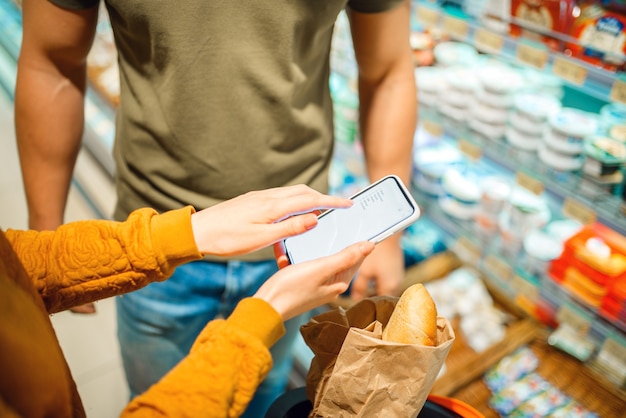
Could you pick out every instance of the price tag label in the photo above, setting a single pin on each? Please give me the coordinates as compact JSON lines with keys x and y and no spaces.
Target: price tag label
{"x":576,"y":210}
{"x":427,"y":16}
{"x":529,"y":183}
{"x":618,"y":91}
{"x":487,"y":41}
{"x":457,"y":28}
{"x":613,"y":355}
{"x":498,"y":268}
{"x":433,"y":128}
{"x":531,"y":55}
{"x":574,"y":318}
{"x":467,"y":250}
{"x":569,"y":70}
{"x":471,"y":150}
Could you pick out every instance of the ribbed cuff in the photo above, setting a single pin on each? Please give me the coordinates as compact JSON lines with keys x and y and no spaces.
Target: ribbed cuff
{"x":258,"y":318}
{"x":173,"y":238}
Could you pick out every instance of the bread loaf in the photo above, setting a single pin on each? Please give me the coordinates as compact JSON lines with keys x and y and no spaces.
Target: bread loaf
{"x":414,"y":319}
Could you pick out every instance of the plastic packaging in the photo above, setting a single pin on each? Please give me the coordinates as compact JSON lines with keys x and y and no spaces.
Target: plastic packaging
{"x":605,"y":156}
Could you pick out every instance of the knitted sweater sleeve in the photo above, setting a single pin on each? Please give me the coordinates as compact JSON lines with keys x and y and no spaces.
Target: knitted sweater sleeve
{"x":90,"y":260}
{"x":221,"y":373}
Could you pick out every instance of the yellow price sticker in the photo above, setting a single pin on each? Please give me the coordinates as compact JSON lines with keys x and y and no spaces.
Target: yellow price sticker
{"x":569,"y":70}
{"x":578,"y":211}
{"x":427,"y":16}
{"x":529,"y":183}
{"x":471,"y":150}
{"x":487,"y":41}
{"x":531,"y":55}
{"x":618,"y":91}
{"x":613,"y":353}
{"x":455,"y":27}
{"x":433,"y":128}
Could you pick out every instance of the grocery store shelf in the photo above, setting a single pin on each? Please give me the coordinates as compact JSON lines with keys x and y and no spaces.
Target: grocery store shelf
{"x":596,"y":82}
{"x":561,"y":186}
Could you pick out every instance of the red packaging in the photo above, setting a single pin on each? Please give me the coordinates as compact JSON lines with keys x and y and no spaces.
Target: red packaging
{"x":601,"y":36}
{"x":537,"y":19}
{"x":586,"y":275}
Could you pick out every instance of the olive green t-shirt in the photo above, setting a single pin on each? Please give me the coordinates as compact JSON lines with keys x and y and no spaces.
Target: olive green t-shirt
{"x":220,"y":98}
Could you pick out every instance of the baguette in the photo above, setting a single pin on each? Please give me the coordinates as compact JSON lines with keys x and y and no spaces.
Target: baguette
{"x":414,"y":319}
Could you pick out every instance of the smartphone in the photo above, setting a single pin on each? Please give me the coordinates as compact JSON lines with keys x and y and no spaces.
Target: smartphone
{"x":380,"y":210}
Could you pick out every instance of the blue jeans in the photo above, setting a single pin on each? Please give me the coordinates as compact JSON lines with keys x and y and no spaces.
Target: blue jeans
{"x":158,"y":324}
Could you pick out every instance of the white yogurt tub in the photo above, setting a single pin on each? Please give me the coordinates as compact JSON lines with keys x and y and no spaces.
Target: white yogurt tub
{"x":430,"y":83}
{"x":526,"y":211}
{"x":462,"y":85}
{"x":431,"y":163}
{"x":569,"y":127}
{"x":563,"y":229}
{"x":500,"y":79}
{"x":486,"y":112}
{"x":563,"y":144}
{"x":521,"y":139}
{"x":462,"y":194}
{"x":532,"y":111}
{"x":489,"y":130}
{"x":495,"y":192}
{"x":458,"y":113}
{"x":559,"y":161}
{"x":542,"y":81}
{"x":540,"y":249}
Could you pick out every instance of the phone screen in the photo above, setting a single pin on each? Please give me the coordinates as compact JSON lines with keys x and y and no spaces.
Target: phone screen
{"x":378,"y":211}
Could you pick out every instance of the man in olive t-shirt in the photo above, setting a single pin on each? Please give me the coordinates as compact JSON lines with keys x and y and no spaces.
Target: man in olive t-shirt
{"x":216,"y":99}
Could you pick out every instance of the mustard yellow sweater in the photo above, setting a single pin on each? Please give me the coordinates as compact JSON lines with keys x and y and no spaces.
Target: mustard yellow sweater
{"x":47,"y":272}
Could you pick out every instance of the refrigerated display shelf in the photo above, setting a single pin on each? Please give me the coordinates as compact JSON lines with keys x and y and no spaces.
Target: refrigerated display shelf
{"x":593,"y":81}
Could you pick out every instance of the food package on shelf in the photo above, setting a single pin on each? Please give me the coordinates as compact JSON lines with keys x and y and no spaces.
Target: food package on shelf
{"x":593,"y":262}
{"x":539,"y":19}
{"x":600,"y":35}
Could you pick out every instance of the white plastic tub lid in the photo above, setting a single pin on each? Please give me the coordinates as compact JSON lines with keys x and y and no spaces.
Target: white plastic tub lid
{"x":462,"y":78}
{"x":575,"y":122}
{"x":500,"y":78}
{"x":542,"y":246}
{"x":537,"y":105}
{"x":430,"y":79}
{"x":463,"y":187}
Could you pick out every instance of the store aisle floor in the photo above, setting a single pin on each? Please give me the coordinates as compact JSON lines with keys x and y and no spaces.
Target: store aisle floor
{"x":88,"y":341}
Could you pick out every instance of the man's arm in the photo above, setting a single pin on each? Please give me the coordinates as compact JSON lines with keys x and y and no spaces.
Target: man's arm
{"x":388,"y":117}
{"x":49,"y":103}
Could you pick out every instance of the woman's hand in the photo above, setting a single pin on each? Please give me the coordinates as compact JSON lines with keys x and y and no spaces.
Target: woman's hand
{"x":298,"y":288}
{"x":258,"y":219}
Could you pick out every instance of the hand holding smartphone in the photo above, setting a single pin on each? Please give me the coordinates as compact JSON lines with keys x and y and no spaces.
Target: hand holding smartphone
{"x":380,"y":210}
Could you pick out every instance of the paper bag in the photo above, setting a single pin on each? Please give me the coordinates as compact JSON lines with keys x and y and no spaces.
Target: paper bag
{"x":354,"y":373}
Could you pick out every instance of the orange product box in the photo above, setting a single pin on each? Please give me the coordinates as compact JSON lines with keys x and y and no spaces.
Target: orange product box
{"x":598,"y":252}
{"x":583,"y":288}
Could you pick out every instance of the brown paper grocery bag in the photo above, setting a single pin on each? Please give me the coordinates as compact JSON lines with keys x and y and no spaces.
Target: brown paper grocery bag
{"x":354,"y":373}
